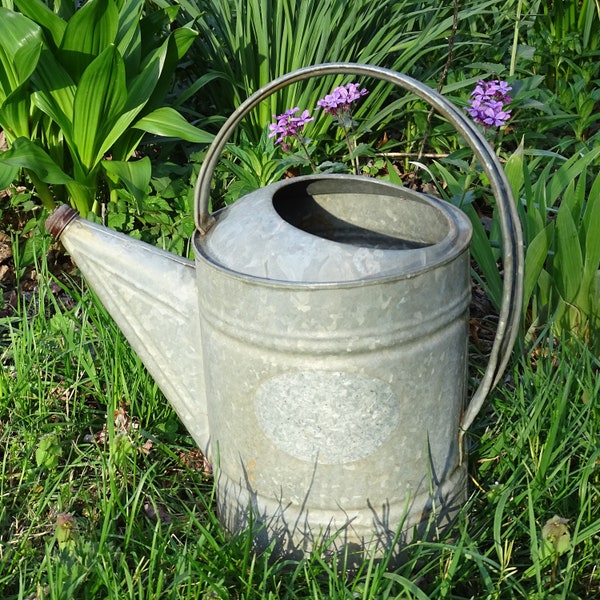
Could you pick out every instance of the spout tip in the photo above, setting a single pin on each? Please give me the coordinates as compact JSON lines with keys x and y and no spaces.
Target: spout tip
{"x":59,"y":219}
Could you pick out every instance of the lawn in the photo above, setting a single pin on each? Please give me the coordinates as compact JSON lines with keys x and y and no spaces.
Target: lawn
{"x":105,"y":496}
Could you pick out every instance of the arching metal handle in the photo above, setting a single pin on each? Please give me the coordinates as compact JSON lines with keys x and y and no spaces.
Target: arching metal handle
{"x":512,"y":239}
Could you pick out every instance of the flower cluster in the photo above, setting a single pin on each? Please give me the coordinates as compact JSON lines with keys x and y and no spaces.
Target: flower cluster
{"x":338,"y":104}
{"x":341,"y":99}
{"x":288,"y":125}
{"x":488,"y":101}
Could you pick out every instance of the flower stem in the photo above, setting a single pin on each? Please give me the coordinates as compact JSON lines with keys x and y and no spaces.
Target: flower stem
{"x":305,"y":149}
{"x":351,"y":148}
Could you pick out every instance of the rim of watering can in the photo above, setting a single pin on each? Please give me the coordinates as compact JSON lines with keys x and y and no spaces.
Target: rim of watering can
{"x":512,"y":237}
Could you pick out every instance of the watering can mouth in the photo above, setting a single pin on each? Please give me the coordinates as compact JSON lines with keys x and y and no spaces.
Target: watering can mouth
{"x":324,"y":229}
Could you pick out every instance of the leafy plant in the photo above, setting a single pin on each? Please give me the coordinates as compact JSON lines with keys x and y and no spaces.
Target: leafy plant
{"x":244,"y":44}
{"x":162,"y":216}
{"x":48,"y":451}
{"x":79,"y":93}
{"x":246,"y":167}
{"x":560,"y":46}
{"x":570,"y":38}
{"x":560,"y":212}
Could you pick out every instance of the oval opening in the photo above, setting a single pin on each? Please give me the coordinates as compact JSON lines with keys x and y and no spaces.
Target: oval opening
{"x":361,"y":213}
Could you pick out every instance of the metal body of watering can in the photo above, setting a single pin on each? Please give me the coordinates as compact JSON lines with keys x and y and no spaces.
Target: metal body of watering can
{"x":317,"y":349}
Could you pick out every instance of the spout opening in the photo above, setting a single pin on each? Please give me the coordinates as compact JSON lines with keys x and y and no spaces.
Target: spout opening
{"x":59,"y":219}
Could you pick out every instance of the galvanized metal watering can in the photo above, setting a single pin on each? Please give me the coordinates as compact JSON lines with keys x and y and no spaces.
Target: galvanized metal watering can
{"x":317,"y":349}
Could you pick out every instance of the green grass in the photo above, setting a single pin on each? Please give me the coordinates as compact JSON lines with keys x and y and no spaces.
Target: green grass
{"x":84,"y":431}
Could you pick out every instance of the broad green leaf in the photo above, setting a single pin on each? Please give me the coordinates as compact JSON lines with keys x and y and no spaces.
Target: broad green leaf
{"x":39,"y":12}
{"x":168,"y":122}
{"x":7,"y":74}
{"x":8,"y":174}
{"x":27,"y":155}
{"x":126,"y":144}
{"x":135,"y":175}
{"x":55,"y":92}
{"x":143,"y":94}
{"x":120,"y":138}
{"x":578,"y":200}
{"x":545,"y":288}
{"x":590,"y":221}
{"x":82,"y":196}
{"x":17,"y":116}
{"x":20,"y":47}
{"x":142,"y":87}
{"x":568,"y":261}
{"x":154,"y":24}
{"x":535,"y":216}
{"x":90,"y":31}
{"x":594,"y":193}
{"x":595,"y":296}
{"x":138,"y":95}
{"x":99,"y":100}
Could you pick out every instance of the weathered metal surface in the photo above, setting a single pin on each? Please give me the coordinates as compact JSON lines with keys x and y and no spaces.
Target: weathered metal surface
{"x":151,"y":294}
{"x":337,"y":405}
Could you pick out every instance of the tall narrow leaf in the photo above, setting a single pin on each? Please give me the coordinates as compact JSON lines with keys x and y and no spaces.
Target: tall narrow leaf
{"x":99,"y":100}
{"x":535,"y":258}
{"x":88,"y":33}
{"x":568,"y":172}
{"x":568,"y":262}
{"x":40,"y":13}
{"x":484,"y":256}
{"x":591,"y":245}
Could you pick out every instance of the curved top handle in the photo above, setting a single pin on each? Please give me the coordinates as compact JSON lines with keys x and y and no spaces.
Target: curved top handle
{"x":512,"y":239}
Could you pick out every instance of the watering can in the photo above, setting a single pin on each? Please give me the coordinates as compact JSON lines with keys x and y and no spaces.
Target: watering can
{"x":316,"y":348}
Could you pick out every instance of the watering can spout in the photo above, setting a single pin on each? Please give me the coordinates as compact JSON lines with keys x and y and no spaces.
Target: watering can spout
{"x":151,"y":294}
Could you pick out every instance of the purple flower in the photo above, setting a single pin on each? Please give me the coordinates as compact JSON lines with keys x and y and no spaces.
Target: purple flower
{"x":487,"y":103}
{"x":288,"y":125}
{"x":341,"y":99}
